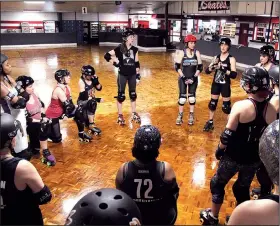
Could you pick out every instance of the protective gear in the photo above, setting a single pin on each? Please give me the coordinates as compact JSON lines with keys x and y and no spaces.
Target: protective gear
{"x":190,"y":38}
{"x":219,"y":153}
{"x":121,"y":97}
{"x":24,"y":81}
{"x":88,"y":70}
{"x":227,"y":136}
{"x":226,"y":108}
{"x":268,"y":50}
{"x":99,"y":89}
{"x":147,"y":137}
{"x":3,"y":58}
{"x":182,"y":99}
{"x":20,"y":104}
{"x":274,"y":75}
{"x":9,"y":129}
{"x":25,"y":95}
{"x":177,"y":66}
{"x":200,"y":67}
{"x":43,"y":196}
{"x":105,"y":206}
{"x":225,"y":41}
{"x":269,"y":151}
{"x":137,"y":64}
{"x":92,"y":105}
{"x":69,"y":107}
{"x":133,"y":95}
{"x":95,"y":81}
{"x":127,"y":33}
{"x":107,"y":57}
{"x":18,"y":87}
{"x":45,"y":124}
{"x":233,"y":74}
{"x":138,"y":77}
{"x":213,"y":104}
{"x":217,"y":188}
{"x":60,"y":74}
{"x":9,"y":96}
{"x":192,"y":99}
{"x":255,"y":79}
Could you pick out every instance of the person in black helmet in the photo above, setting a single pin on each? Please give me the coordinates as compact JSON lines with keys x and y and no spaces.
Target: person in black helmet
{"x":264,"y":211}
{"x":274,"y":77}
{"x":13,"y":101}
{"x":224,"y":65}
{"x":22,"y":188}
{"x":105,"y":206}
{"x":239,"y":142}
{"x":150,"y":183}
{"x":125,"y":57}
{"x":267,"y":55}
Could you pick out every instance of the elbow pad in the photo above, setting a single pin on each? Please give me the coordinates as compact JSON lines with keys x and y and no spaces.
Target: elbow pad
{"x":25,"y":95}
{"x":18,"y":86}
{"x":233,"y":74}
{"x":43,"y":196}
{"x":177,"y":66}
{"x":20,"y":104}
{"x":9,"y":96}
{"x":200,"y":67}
{"x":207,"y":71}
{"x":227,"y":136}
{"x":107,"y":57}
{"x":83,"y":95}
{"x":99,"y":89}
{"x":137,"y":64}
{"x":69,"y":108}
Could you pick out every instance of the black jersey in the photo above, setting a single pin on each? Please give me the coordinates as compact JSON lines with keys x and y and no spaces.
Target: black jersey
{"x":244,"y":146}
{"x":189,"y":65}
{"x":127,"y":60}
{"x":17,"y":207}
{"x":155,"y":198}
{"x":220,"y":77}
{"x":88,"y":88}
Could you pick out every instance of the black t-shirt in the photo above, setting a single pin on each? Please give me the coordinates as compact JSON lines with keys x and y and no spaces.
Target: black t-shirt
{"x":17,"y":207}
{"x":220,"y":77}
{"x":244,"y":146}
{"x":127,"y":60}
{"x":155,"y":197}
{"x":189,"y":65}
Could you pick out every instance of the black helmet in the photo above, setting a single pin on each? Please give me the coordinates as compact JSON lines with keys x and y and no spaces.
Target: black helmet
{"x":127,"y":33}
{"x":225,"y":41}
{"x":9,"y":129}
{"x":147,"y":137}
{"x":60,"y":74}
{"x":24,"y":81}
{"x":91,"y":105}
{"x":269,"y":151}
{"x":3,"y":58}
{"x":255,"y":79}
{"x":88,"y":70}
{"x":105,"y":206}
{"x":274,"y":75}
{"x":268,"y":50}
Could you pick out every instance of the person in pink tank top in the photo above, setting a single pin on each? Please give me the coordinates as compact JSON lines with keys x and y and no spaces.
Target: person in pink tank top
{"x":35,"y":116}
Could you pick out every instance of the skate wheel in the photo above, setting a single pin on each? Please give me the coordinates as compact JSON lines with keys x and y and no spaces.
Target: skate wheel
{"x":80,"y":139}
{"x":87,"y":140}
{"x":255,"y":197}
{"x":49,"y":164}
{"x":96,"y":134}
{"x":42,"y":160}
{"x":89,"y":132}
{"x":201,"y":220}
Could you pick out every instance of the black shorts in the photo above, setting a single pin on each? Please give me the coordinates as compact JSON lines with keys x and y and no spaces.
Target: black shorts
{"x":191,"y":87}
{"x":223,"y":89}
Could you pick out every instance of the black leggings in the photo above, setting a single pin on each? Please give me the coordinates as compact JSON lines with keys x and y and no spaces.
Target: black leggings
{"x":33,"y":130}
{"x":122,"y":80}
{"x":191,"y":87}
{"x":53,"y":132}
{"x":264,"y":180}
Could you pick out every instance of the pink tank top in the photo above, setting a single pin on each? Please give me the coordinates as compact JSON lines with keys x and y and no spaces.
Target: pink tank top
{"x":34,"y":109}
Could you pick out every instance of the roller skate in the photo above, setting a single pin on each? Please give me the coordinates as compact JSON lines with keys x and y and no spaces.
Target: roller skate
{"x":121,"y":120}
{"x":48,"y":158}
{"x":257,"y":194}
{"x":206,"y":218}
{"x":208,"y":126}
{"x":84,"y":137}
{"x":135,"y":117}
{"x":179,"y":120}
{"x":191,"y":119}
{"x":93,"y":129}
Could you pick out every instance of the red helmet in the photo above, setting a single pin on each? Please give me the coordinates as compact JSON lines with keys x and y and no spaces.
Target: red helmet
{"x":190,"y":38}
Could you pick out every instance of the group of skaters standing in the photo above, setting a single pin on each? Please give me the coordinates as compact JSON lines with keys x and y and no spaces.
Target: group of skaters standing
{"x":150,"y":183}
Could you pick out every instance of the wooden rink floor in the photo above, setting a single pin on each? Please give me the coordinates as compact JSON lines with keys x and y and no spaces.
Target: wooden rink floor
{"x":82,"y":167}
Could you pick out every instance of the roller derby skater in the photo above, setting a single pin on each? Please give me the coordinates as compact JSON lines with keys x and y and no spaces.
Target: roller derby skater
{"x":125,"y":58}
{"x":158,"y":200}
{"x":189,"y":66}
{"x":266,"y":210}
{"x":22,"y":188}
{"x":267,"y":56}
{"x":274,"y":77}
{"x":88,"y":83}
{"x":13,"y":101}
{"x":239,"y":142}
{"x":224,"y":65}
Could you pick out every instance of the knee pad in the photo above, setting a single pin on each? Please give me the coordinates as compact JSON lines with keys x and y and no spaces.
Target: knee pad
{"x":241,"y":193}
{"x":213,"y":104}
{"x":226,"y":107}
{"x":91,"y":106}
{"x":192,"y":99}
{"x":121,"y":97}
{"x":182,"y":99}
{"x":217,"y":190}
{"x":133,"y":95}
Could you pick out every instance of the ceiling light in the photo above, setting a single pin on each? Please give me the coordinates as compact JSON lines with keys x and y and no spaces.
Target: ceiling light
{"x":34,"y":2}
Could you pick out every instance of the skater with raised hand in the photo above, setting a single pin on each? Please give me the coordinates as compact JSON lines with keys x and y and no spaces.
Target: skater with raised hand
{"x":150,"y":183}
{"x":125,"y":58}
{"x":13,"y":101}
{"x":188,"y":64}
{"x":22,"y":188}
{"x":239,"y":142}
{"x":88,"y":83}
{"x":264,"y":211}
{"x":224,"y":66}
